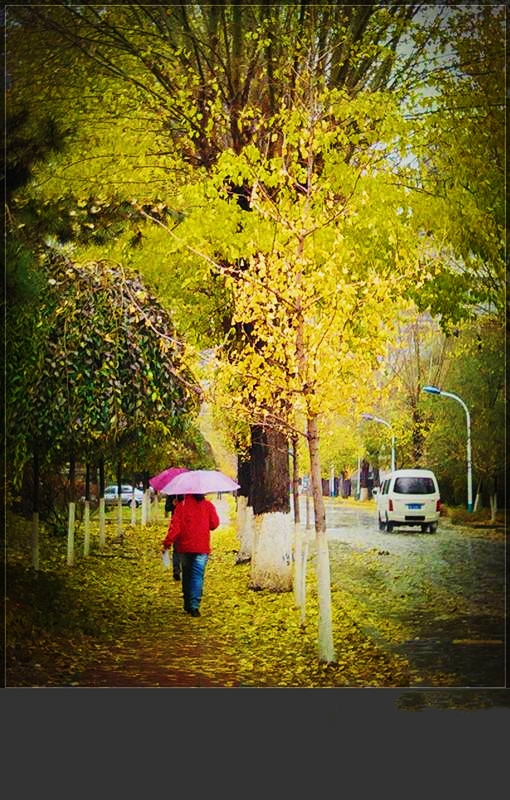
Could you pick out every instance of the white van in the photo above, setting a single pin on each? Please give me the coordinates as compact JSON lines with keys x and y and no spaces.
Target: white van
{"x":409,"y":497}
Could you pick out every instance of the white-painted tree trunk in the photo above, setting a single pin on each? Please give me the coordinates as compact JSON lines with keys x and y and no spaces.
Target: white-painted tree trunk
{"x":119,"y":518}
{"x":146,"y":508}
{"x":298,"y":566}
{"x":325,"y":632}
{"x":244,"y":524}
{"x":308,"y":504}
{"x":478,"y":497}
{"x":304,"y":570}
{"x":102,"y":520}
{"x":300,"y":570}
{"x":363,"y":493}
{"x":271,"y":564}
{"x":86,"y":528}
{"x":326,"y":648}
{"x":155,"y":509}
{"x":70,"y":534}
{"x":305,"y":546}
{"x":35,"y":540}
{"x":493,"y":500}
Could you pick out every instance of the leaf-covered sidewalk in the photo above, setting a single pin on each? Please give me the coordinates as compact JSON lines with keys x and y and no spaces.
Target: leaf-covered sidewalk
{"x":115,"y":619}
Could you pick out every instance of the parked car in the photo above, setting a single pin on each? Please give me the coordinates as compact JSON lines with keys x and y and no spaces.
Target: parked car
{"x":111,"y":495}
{"x":409,"y":497}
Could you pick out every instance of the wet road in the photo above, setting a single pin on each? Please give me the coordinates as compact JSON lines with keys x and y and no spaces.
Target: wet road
{"x":436,"y":599}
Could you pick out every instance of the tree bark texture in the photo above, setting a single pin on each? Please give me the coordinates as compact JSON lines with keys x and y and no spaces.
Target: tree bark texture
{"x":270,"y":471}
{"x":244,"y":477}
{"x":271,"y":564}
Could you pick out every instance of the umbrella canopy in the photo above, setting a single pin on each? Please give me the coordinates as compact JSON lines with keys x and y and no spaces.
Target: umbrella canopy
{"x":200,"y":481}
{"x":162,"y":478}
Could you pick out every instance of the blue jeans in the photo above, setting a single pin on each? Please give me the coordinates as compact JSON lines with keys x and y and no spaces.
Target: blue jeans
{"x":176,"y":561}
{"x":193,"y":570}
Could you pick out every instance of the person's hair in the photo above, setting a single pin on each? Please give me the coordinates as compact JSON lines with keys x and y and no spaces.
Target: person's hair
{"x":199,"y":496}
{"x":171,"y":501}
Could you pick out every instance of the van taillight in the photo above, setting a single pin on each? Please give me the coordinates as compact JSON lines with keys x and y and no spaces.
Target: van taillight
{"x":438,"y":505}
{"x":390,"y":505}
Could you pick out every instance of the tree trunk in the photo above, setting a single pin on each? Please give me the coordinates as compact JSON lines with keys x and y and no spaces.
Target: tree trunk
{"x":300,"y":552}
{"x":363,"y":480}
{"x":132,"y":506}
{"x":120,"y":534}
{"x":146,"y":503}
{"x":493,"y":499}
{"x":326,"y":647}
{"x":271,"y":564}
{"x":303,"y":581}
{"x":298,"y":566}
{"x":86,"y":512}
{"x":377,"y":478}
{"x":269,"y":471}
{"x":417,"y":434}
{"x":101,"y":504}
{"x":295,"y":479}
{"x":72,"y":510}
{"x":478,"y":498}
{"x":244,"y":511}
{"x":300,"y":569}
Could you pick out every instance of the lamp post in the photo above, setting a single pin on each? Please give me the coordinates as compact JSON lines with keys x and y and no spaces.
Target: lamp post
{"x":435,"y":390}
{"x":384,"y":422}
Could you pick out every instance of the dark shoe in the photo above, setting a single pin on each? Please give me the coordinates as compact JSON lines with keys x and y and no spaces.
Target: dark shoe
{"x":177,"y":577}
{"x":195,"y":612}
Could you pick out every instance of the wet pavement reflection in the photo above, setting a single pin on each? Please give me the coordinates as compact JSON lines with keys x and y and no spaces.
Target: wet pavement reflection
{"x":436,"y":599}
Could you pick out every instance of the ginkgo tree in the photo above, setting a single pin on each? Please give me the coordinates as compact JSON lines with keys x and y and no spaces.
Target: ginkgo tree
{"x":315,"y":274}
{"x":158,"y":93}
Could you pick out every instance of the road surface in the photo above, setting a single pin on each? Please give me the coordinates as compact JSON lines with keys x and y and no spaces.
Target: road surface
{"x":437,"y":599}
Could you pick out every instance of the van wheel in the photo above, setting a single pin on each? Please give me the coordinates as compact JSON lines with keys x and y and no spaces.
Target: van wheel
{"x":433,"y":527}
{"x":382,"y":526}
{"x":425,"y":528}
{"x":389,"y":525}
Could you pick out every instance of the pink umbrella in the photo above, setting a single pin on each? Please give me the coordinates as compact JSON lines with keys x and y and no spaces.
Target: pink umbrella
{"x":162,"y":478}
{"x":200,"y":481}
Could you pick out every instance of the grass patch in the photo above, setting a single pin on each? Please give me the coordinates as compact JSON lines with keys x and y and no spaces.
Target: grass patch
{"x":461,"y":516}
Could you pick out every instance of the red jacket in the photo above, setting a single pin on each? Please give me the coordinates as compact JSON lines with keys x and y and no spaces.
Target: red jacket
{"x":191,"y":525}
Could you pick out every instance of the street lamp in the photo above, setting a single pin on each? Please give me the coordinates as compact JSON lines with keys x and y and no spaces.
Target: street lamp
{"x":435,"y":390}
{"x":383,"y":422}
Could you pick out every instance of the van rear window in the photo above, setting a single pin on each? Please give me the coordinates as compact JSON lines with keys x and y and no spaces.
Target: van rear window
{"x":414,"y":486}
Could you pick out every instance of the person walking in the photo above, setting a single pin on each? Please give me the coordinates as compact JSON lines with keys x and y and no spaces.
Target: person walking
{"x":189,"y":530}
{"x":170,"y":504}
